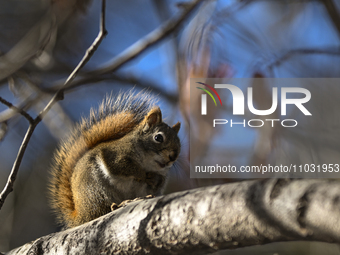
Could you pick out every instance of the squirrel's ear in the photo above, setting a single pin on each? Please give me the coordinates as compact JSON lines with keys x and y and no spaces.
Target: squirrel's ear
{"x":176,"y":127}
{"x":153,"y":118}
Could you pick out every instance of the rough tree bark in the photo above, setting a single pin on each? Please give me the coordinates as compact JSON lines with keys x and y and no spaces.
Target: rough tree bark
{"x":207,"y":219}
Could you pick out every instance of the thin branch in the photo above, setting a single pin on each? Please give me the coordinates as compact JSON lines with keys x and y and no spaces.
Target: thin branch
{"x":12,"y":177}
{"x":19,"y":110}
{"x":143,"y":44}
{"x":133,"y":51}
{"x":58,"y":96}
{"x":333,"y":13}
{"x":291,"y":53}
{"x":127,"y":78}
{"x":90,"y":51}
{"x":26,"y":99}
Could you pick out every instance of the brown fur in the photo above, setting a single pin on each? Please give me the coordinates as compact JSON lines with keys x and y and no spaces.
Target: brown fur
{"x":116,"y":117}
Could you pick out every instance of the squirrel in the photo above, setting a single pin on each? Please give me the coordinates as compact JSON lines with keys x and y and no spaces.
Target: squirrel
{"x":121,"y":152}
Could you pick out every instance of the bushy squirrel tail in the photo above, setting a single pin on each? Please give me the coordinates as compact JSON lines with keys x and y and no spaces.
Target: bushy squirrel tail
{"x":115,"y":117}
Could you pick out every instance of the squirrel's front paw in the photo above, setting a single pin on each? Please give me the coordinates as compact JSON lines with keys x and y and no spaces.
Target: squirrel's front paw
{"x":114,"y":206}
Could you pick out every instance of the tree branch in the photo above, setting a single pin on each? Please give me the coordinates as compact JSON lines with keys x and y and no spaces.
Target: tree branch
{"x":291,"y":53}
{"x":58,"y":96}
{"x":143,"y":44}
{"x":91,"y":50}
{"x":19,"y":110}
{"x":208,"y":219}
{"x":123,"y":78}
{"x":131,"y":52}
{"x":12,"y":177}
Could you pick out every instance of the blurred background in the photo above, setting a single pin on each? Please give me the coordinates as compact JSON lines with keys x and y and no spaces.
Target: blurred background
{"x":42,"y":41}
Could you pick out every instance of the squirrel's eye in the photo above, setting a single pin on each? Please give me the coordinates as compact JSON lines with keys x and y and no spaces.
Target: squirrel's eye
{"x":159,"y":138}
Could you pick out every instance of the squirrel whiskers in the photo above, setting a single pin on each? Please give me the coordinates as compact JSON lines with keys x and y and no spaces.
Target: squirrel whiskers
{"x":122,"y":151}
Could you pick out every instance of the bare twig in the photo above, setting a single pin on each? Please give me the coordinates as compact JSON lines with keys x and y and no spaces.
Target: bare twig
{"x":129,"y":79}
{"x":279,"y":60}
{"x":143,"y":44}
{"x":333,"y":13}
{"x":90,"y":51}
{"x":24,"y":94}
{"x":19,"y":110}
{"x":58,"y":96}
{"x":130,"y":53}
{"x":11,"y":179}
